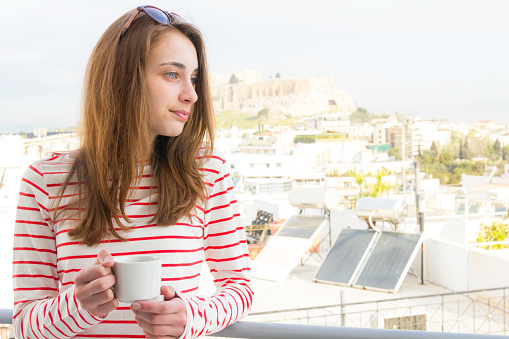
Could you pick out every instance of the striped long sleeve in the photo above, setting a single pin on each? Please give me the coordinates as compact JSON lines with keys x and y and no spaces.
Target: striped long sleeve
{"x":226,"y":254}
{"x":46,"y":260}
{"x":41,"y":309}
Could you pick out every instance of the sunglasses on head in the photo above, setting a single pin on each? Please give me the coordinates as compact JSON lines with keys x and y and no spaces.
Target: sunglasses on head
{"x":155,"y":13}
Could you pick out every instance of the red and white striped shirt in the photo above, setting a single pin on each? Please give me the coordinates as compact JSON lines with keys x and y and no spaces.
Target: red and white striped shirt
{"x":46,"y":260}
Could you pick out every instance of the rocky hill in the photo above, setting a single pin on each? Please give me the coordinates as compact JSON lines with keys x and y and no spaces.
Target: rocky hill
{"x":294,"y":96}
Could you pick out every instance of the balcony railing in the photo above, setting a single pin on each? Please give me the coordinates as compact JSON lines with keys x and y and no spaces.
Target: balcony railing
{"x":258,"y":330}
{"x":483,"y":311}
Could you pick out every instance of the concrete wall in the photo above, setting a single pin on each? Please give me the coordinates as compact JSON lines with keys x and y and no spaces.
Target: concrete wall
{"x":461,"y":267}
{"x":446,"y":264}
{"x":488,"y":269}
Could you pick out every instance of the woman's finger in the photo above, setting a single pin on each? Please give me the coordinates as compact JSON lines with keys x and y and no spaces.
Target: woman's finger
{"x":96,"y":286}
{"x":99,"y":298}
{"x":160,"y":307}
{"x":104,"y":309}
{"x":160,"y":330}
{"x":104,"y":258}
{"x":161,"y":319}
{"x":91,"y":273}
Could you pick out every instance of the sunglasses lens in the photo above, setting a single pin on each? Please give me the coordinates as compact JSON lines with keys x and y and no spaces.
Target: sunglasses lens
{"x":157,"y":15}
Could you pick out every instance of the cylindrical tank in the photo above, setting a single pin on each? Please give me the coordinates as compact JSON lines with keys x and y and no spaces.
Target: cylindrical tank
{"x":392,"y":210}
{"x":314,"y":197}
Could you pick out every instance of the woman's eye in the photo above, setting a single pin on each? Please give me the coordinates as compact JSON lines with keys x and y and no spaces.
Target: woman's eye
{"x":194,"y":81}
{"x":172,"y":75}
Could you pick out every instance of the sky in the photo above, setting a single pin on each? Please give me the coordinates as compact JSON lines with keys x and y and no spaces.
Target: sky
{"x":443,"y":59}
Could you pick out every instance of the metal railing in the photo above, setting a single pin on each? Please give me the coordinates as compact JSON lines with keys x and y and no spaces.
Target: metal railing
{"x":478,"y":312}
{"x":257,"y":330}
{"x":483,"y":313}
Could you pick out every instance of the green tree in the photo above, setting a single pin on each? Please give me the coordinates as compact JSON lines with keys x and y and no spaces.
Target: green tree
{"x":445,"y":158}
{"x":466,"y":149}
{"x":427,"y":158}
{"x":496,"y":231}
{"x":433,"y":149}
{"x":360,"y":181}
{"x":461,"y":151}
{"x":263,"y":113}
{"x":380,"y":186}
{"x":304,"y":139}
{"x":394,"y":152}
{"x":505,"y":153}
{"x":278,"y":75}
{"x":377,"y":189}
{"x":233,"y":80}
{"x":497,"y":147}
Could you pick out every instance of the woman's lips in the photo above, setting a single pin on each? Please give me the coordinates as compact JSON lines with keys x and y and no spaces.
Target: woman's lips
{"x":184,"y":115}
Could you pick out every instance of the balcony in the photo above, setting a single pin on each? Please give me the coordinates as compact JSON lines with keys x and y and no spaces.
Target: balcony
{"x":258,"y":330}
{"x":470,"y":314}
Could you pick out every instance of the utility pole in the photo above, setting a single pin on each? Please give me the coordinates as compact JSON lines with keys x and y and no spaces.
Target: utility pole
{"x":419,"y":214}
{"x":403,"y":141}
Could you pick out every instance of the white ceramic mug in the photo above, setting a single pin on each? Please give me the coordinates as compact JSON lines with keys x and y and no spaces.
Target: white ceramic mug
{"x":138,"y":277}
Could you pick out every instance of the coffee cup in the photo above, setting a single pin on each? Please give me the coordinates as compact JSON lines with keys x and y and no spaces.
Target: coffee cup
{"x":138,"y":277}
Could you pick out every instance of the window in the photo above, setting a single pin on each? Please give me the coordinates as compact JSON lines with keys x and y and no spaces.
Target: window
{"x":278,"y":164}
{"x":232,"y":166}
{"x":267,"y":165}
{"x":251,"y":165}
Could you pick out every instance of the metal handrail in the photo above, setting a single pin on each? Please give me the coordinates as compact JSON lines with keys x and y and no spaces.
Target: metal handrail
{"x":5,"y":316}
{"x":259,"y":330}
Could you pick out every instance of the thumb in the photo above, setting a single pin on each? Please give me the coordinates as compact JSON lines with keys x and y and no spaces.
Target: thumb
{"x":104,"y":258}
{"x":168,"y":292}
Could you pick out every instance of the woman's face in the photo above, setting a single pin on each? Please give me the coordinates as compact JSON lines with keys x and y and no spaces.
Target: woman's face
{"x":171,"y":71}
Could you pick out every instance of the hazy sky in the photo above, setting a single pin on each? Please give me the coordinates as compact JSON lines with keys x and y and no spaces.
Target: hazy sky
{"x":437,"y":58}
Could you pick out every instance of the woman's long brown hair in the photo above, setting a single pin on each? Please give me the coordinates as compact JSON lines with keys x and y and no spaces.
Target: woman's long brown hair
{"x":115,"y":136}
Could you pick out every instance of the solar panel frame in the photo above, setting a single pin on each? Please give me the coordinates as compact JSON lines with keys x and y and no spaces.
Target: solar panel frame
{"x":285,"y":249}
{"x":301,"y":226}
{"x":349,"y":253}
{"x":398,"y":249}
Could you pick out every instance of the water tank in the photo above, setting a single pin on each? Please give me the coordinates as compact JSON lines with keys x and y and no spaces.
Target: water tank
{"x":314,"y":197}
{"x":392,"y":210}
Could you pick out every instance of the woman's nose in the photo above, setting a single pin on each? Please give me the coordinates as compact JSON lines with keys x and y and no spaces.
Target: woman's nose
{"x":188,"y":93}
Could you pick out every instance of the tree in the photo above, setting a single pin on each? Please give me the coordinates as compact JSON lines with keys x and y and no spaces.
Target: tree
{"x":394,"y":152}
{"x":445,"y":159}
{"x":278,"y":75}
{"x":497,"y":147}
{"x":461,"y":153}
{"x":380,"y":186}
{"x":376,"y":189}
{"x":496,"y":231}
{"x":505,"y":153}
{"x":466,"y":149}
{"x":433,"y":149}
{"x":233,"y":80}
{"x":360,"y":181}
{"x":263,"y":113}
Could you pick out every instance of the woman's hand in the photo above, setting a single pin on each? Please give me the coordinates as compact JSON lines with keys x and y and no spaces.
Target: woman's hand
{"x":92,"y":286}
{"x":162,"y":319}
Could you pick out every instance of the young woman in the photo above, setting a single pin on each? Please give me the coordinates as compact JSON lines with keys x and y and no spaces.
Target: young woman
{"x":146,"y":180}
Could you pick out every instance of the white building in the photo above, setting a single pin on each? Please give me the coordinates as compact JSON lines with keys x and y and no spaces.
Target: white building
{"x":334,"y":121}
